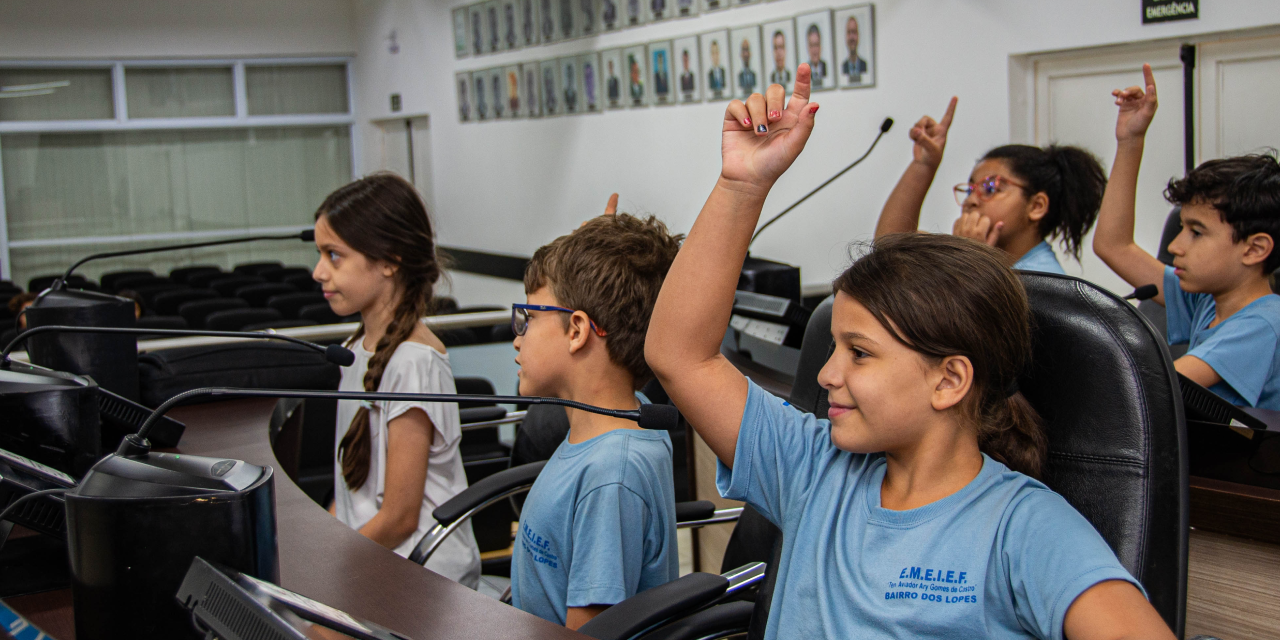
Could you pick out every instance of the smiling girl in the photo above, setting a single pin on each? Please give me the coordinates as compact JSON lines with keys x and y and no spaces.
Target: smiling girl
{"x":1017,"y":198}
{"x":395,"y":461}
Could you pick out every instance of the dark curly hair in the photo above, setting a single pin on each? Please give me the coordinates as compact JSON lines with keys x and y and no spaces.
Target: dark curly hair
{"x":1073,"y":180}
{"x":1244,"y":189}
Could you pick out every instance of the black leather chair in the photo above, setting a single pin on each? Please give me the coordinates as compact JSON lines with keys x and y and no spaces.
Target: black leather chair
{"x":149,"y":293}
{"x":252,"y":268}
{"x":166,"y":303}
{"x":1154,"y":312}
{"x":197,"y":310}
{"x":289,"y":304}
{"x":228,"y":285}
{"x":322,"y":313}
{"x":278,"y":274}
{"x":109,"y":279}
{"x":258,"y":294}
{"x":181,"y":274}
{"x":136,"y":282}
{"x":238,"y":319}
{"x":201,"y":279}
{"x":304,"y":282}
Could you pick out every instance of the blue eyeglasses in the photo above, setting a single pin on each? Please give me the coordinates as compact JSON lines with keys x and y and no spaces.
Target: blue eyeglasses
{"x":520,"y":317}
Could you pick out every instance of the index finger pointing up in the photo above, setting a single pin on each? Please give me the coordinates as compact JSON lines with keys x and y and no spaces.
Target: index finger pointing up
{"x":1149,"y":77}
{"x":800,"y":95}
{"x":951,"y":112}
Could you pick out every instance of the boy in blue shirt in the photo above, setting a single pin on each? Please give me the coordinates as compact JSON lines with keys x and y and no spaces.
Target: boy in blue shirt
{"x":599,"y":524}
{"x":1217,"y":295}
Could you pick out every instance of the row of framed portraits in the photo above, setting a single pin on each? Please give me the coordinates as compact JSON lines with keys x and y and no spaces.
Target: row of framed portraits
{"x":504,"y":25}
{"x":717,"y":65}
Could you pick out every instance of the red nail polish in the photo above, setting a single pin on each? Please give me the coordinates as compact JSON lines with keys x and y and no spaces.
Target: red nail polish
{"x":746,"y":121}
{"x":814,"y":109}
{"x":774,"y":114}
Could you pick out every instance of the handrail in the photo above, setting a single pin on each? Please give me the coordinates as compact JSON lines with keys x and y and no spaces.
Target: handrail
{"x":512,"y":417}
{"x":319,"y":332}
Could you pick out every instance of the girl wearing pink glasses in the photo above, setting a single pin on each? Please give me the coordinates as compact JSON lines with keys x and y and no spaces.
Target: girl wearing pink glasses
{"x":1017,"y":199}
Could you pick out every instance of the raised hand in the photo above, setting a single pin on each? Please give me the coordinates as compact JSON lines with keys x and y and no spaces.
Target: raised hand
{"x":1137,"y":107}
{"x":612,"y":206}
{"x":931,"y":136}
{"x":975,"y":226}
{"x":762,"y":137}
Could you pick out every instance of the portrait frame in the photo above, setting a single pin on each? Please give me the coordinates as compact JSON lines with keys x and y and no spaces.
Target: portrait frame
{"x":592,"y":98}
{"x":769,"y":32}
{"x":740,"y":3}
{"x":497,"y":94}
{"x":548,"y":31}
{"x":527,"y":13}
{"x":480,"y":96}
{"x":823,"y":76}
{"x":462,"y":85}
{"x":512,"y":91}
{"x":531,"y":103}
{"x":610,"y":15}
{"x":634,"y":13}
{"x":614,"y":79}
{"x":864,"y":70}
{"x":687,"y":8}
{"x":549,"y":87}
{"x":660,"y":10}
{"x":714,"y":5}
{"x":570,"y":70}
{"x":588,"y":18}
{"x":661,"y":85}
{"x":566,"y":14}
{"x":492,"y":11}
{"x":713,"y":49}
{"x":688,"y":83}
{"x":475,"y":22}
{"x":461,"y":35}
{"x":637,"y":76}
{"x":748,"y":73}
{"x":508,"y":24}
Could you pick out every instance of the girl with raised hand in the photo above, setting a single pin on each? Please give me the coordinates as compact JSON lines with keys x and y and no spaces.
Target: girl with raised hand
{"x":395,"y":461}
{"x":1018,"y":197}
{"x":912,"y":511}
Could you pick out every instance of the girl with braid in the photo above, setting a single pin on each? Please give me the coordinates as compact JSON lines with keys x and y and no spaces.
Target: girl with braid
{"x":395,"y":461}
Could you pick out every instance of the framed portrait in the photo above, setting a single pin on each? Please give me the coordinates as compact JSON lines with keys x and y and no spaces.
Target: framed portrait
{"x":511,"y":89}
{"x":547,"y":31}
{"x":856,"y":51}
{"x":688,"y":77}
{"x":480,"y":96}
{"x":479,"y":35}
{"x":461,"y":45}
{"x":780,"y":53}
{"x":567,"y":27}
{"x":570,"y":85}
{"x":463,"y":83}
{"x":660,"y":86}
{"x":589,"y":17}
{"x":508,"y":26}
{"x":747,"y":61}
{"x":714,"y":5}
{"x":637,"y":76}
{"x":609,"y":15}
{"x":498,"y":94}
{"x":592,"y":97}
{"x":741,"y":3}
{"x":659,"y":9}
{"x":813,"y":37}
{"x":527,"y":17}
{"x":613,"y":78}
{"x":549,"y":87}
{"x":715,"y":65}
{"x":634,"y":12}
{"x":530,"y":97}
{"x":492,"y":30}
{"x":687,"y":8}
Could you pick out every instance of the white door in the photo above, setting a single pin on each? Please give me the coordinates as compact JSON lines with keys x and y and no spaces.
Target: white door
{"x":1239,"y":91}
{"x":406,"y":151}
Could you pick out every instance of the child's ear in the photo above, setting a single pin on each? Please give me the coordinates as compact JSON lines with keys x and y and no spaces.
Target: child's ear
{"x":579,"y":331}
{"x":956,"y":378}
{"x":1257,"y":247}
{"x":1037,"y":206}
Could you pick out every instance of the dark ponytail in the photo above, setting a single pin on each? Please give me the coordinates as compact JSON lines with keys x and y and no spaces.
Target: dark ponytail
{"x":942,"y":295}
{"x":382,"y":217}
{"x":1073,"y":180}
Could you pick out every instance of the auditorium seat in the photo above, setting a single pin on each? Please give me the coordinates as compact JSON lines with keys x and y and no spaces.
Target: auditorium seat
{"x":40,"y":283}
{"x":201,"y":279}
{"x":280,"y":273}
{"x":303,"y":282}
{"x":137,"y":282}
{"x":278,"y":324}
{"x":180,"y":274}
{"x":166,"y":303}
{"x":196,"y":311}
{"x":149,"y":293}
{"x":289,"y":304}
{"x":226,"y":286}
{"x":258,"y":294}
{"x":237,"y":319}
{"x":323,"y":314}
{"x":252,"y":268}
{"x":162,"y":322}
{"x":110,"y":278}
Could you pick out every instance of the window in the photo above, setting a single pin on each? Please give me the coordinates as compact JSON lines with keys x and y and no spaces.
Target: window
{"x":142,"y":154}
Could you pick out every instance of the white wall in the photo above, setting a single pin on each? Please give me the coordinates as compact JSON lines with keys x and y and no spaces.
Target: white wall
{"x":511,"y":186}
{"x":82,"y":29}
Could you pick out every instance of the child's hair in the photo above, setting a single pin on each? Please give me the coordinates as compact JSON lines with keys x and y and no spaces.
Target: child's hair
{"x":942,"y":295}
{"x":382,"y":217}
{"x":1246,"y":192}
{"x":1073,"y":180}
{"x":611,"y":268}
{"x":16,"y":302}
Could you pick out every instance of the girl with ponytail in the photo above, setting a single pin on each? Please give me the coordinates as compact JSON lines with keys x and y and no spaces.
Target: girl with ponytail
{"x":395,"y":461}
{"x":1017,"y":199}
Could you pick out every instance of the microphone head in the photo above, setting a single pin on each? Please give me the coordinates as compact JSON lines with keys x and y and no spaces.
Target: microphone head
{"x":886,"y":125}
{"x":308,"y":235}
{"x":339,"y":355}
{"x":659,"y":416}
{"x":1145,"y":292}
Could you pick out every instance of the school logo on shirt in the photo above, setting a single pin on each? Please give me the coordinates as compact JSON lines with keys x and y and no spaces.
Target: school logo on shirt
{"x":538,"y":547}
{"x":943,"y":586}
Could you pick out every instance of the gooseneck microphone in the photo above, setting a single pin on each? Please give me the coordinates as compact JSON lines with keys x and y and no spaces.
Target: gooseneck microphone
{"x":337,"y":354}
{"x":1145,"y":292}
{"x":884,"y":128}
{"x":308,"y":235}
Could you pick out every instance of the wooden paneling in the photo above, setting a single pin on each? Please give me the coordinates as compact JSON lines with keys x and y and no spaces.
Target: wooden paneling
{"x":1231,"y":590}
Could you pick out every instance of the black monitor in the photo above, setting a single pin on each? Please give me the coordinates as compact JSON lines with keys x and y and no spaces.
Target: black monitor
{"x":1205,"y":407}
{"x":233,"y":606}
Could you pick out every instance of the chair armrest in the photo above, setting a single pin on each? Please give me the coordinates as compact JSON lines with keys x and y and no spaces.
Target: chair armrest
{"x":481,"y":414}
{"x":494,"y":487}
{"x":694,"y":510}
{"x":717,"y":621}
{"x":655,"y":606}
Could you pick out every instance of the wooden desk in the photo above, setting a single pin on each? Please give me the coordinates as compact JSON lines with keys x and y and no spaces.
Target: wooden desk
{"x":324,"y":559}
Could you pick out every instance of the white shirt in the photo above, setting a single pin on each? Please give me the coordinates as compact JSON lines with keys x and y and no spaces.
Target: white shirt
{"x":413,"y":368}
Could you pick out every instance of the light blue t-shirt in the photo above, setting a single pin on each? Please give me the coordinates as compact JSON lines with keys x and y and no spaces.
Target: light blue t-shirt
{"x":1040,"y":258}
{"x":1244,"y":349}
{"x":1004,"y":557}
{"x":598,"y":526}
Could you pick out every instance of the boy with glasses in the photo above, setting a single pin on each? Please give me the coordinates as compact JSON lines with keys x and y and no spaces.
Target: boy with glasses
{"x":599,"y":524}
